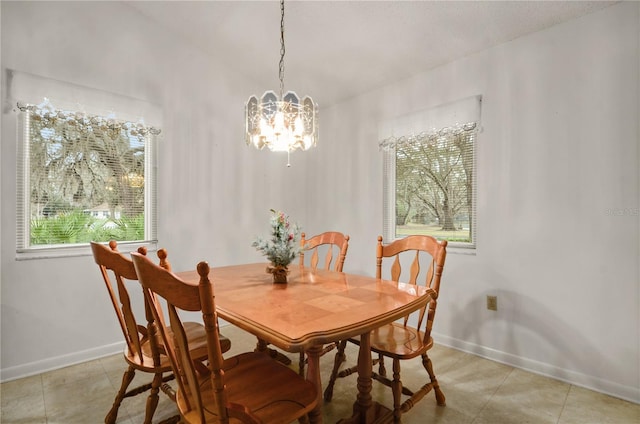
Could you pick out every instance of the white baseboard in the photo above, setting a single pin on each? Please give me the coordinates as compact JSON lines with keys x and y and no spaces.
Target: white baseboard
{"x":49,"y":364}
{"x":632,"y":394}
{"x":57,"y":362}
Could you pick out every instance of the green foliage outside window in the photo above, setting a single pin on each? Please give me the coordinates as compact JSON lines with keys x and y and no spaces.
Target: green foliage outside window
{"x":86,"y":177}
{"x":78,"y":227}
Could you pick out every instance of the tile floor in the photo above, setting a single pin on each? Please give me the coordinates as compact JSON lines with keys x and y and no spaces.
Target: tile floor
{"x":478,"y":391}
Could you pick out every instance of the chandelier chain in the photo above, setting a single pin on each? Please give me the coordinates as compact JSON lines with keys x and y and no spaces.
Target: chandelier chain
{"x":282,"y":50}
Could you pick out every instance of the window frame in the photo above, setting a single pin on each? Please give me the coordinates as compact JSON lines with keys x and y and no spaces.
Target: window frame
{"x":415,"y":124}
{"x":24,"y":250}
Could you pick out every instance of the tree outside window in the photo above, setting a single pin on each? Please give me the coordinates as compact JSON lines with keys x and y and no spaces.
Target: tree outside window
{"x":434,"y":175}
{"x":84,"y":178}
{"x":430,"y":174}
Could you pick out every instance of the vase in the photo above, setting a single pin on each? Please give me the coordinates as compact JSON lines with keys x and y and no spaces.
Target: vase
{"x":279,"y":273}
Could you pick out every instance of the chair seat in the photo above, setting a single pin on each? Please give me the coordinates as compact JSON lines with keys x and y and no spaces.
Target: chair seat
{"x":272,"y":392}
{"x":197,"y":335}
{"x":397,"y":341}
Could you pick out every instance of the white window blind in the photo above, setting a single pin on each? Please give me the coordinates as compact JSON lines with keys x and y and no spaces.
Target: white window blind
{"x":82,"y":177}
{"x":430,"y":173}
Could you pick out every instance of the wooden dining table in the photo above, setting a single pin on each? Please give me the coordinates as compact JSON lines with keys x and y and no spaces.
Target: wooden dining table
{"x":314,"y":308}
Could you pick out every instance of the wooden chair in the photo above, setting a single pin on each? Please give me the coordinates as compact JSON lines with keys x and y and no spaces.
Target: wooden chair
{"x":331,"y":241}
{"x":411,"y":337}
{"x":143,"y":350}
{"x":330,"y":244}
{"x":249,"y":388}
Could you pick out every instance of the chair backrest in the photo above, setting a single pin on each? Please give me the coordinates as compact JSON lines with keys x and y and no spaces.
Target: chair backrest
{"x":113,"y":263}
{"x":435,"y":252}
{"x":333,"y":242}
{"x":182,"y":295}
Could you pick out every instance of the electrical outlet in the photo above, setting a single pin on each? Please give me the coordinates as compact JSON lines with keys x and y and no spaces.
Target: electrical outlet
{"x":492,"y":303}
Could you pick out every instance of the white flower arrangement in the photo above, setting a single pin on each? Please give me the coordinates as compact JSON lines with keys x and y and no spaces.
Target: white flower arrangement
{"x":283,"y":246}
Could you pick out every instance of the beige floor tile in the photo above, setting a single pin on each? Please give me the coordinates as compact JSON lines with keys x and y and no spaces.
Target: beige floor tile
{"x":27,"y":410}
{"x":470,"y":384}
{"x":90,"y":413}
{"x":22,"y":401}
{"x":115,"y":377}
{"x":85,"y":400}
{"x":588,"y":407}
{"x":113,"y":363}
{"x":136,"y":408}
{"x":445,"y":358}
{"x":16,"y":389}
{"x":85,"y":370}
{"x":510,"y":417}
{"x":82,"y":389}
{"x":525,"y":398}
{"x":461,"y":407}
{"x":114,"y":367}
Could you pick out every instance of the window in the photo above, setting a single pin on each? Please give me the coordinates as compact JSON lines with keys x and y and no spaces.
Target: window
{"x":83,"y":178}
{"x":430,"y":175}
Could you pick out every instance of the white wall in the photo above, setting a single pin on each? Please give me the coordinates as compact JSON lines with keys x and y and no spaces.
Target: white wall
{"x":214,"y":192}
{"x":559,"y":148}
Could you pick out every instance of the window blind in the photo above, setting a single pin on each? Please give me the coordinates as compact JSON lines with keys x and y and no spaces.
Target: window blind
{"x":86,"y":157}
{"x":83,"y":178}
{"x":430,"y":173}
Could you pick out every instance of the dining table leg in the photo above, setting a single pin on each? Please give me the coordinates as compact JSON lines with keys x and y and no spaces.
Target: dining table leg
{"x":363,"y":405}
{"x":263,"y":347}
{"x":364,"y":409}
{"x":313,"y":375}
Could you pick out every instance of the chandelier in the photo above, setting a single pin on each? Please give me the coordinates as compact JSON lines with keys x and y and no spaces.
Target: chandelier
{"x":284,"y":122}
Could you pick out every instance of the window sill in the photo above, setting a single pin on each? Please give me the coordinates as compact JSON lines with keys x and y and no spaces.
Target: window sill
{"x":460,"y":250}
{"x":78,"y":250}
{"x":454,"y":248}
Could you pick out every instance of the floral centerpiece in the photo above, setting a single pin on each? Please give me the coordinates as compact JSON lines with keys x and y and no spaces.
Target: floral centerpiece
{"x":282,"y":247}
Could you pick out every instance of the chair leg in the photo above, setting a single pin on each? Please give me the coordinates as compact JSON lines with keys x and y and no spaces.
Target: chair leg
{"x":126,"y":380}
{"x":426,"y":363}
{"x":301,"y":363}
{"x":338,"y":360}
{"x":396,"y":387}
{"x":152,"y":400}
{"x":381,"y":369}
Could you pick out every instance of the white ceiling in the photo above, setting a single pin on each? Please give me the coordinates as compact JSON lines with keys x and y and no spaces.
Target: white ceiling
{"x":339,"y":49}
